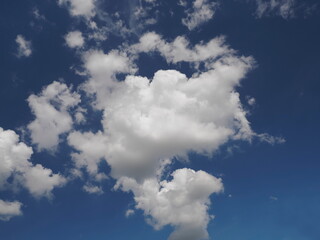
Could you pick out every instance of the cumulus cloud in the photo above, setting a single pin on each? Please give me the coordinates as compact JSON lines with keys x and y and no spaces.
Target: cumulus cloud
{"x":52,"y":118}
{"x":9,"y":210}
{"x":182,"y":202}
{"x":41,"y":181}
{"x":15,"y":164}
{"x":74,"y":39}
{"x":149,"y":122}
{"x":202,"y":11}
{"x":24,"y":47}
{"x":145,"y":121}
{"x":283,"y":8}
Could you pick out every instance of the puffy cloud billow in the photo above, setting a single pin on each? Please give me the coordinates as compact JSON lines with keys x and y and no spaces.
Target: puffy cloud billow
{"x":182,"y":202}
{"x":149,"y":122}
{"x":17,"y":171}
{"x":52,"y":118}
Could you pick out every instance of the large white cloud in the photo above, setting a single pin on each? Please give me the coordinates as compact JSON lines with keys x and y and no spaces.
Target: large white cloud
{"x":52,"y":118}
{"x":182,"y":202}
{"x":170,"y":115}
{"x":9,"y":210}
{"x":15,"y":164}
{"x":148,"y":122}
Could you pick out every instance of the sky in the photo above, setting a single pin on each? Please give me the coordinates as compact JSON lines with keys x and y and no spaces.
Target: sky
{"x":148,"y":119}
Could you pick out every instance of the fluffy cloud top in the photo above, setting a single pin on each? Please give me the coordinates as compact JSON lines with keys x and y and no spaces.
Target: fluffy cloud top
{"x":201,"y":12}
{"x":24,"y":47}
{"x":74,"y":39}
{"x":182,"y":202}
{"x":9,"y":210}
{"x":15,"y":164}
{"x":85,"y":8}
{"x":52,"y":118}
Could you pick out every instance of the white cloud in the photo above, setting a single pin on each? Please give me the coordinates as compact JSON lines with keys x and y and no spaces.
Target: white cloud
{"x":180,"y":50}
{"x":15,"y":164}
{"x":202,"y":11}
{"x":41,"y":181}
{"x":91,"y":147}
{"x":9,"y":210}
{"x":52,"y":119}
{"x":171,"y":115}
{"x":24,"y":47}
{"x":85,"y":8}
{"x":148,"y":122}
{"x":103,"y":69}
{"x":92,"y":189}
{"x":283,"y":8}
{"x":74,"y":39}
{"x":80,"y":115}
{"x":182,"y":202}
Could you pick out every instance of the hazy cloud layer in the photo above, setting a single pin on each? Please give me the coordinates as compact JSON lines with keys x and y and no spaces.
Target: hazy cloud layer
{"x":283,"y":8}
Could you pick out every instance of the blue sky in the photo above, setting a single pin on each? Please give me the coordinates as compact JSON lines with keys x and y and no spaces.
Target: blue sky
{"x":179,"y":120}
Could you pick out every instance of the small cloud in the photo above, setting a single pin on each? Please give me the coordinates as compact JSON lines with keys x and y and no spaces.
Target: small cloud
{"x":202,"y":11}
{"x":92,"y":189}
{"x":264,"y":137}
{"x":9,"y":210}
{"x":37,"y":15}
{"x":24,"y":47}
{"x":251,"y":101}
{"x":129,"y":212}
{"x":74,"y":39}
{"x":273,"y":198}
{"x":77,"y":8}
